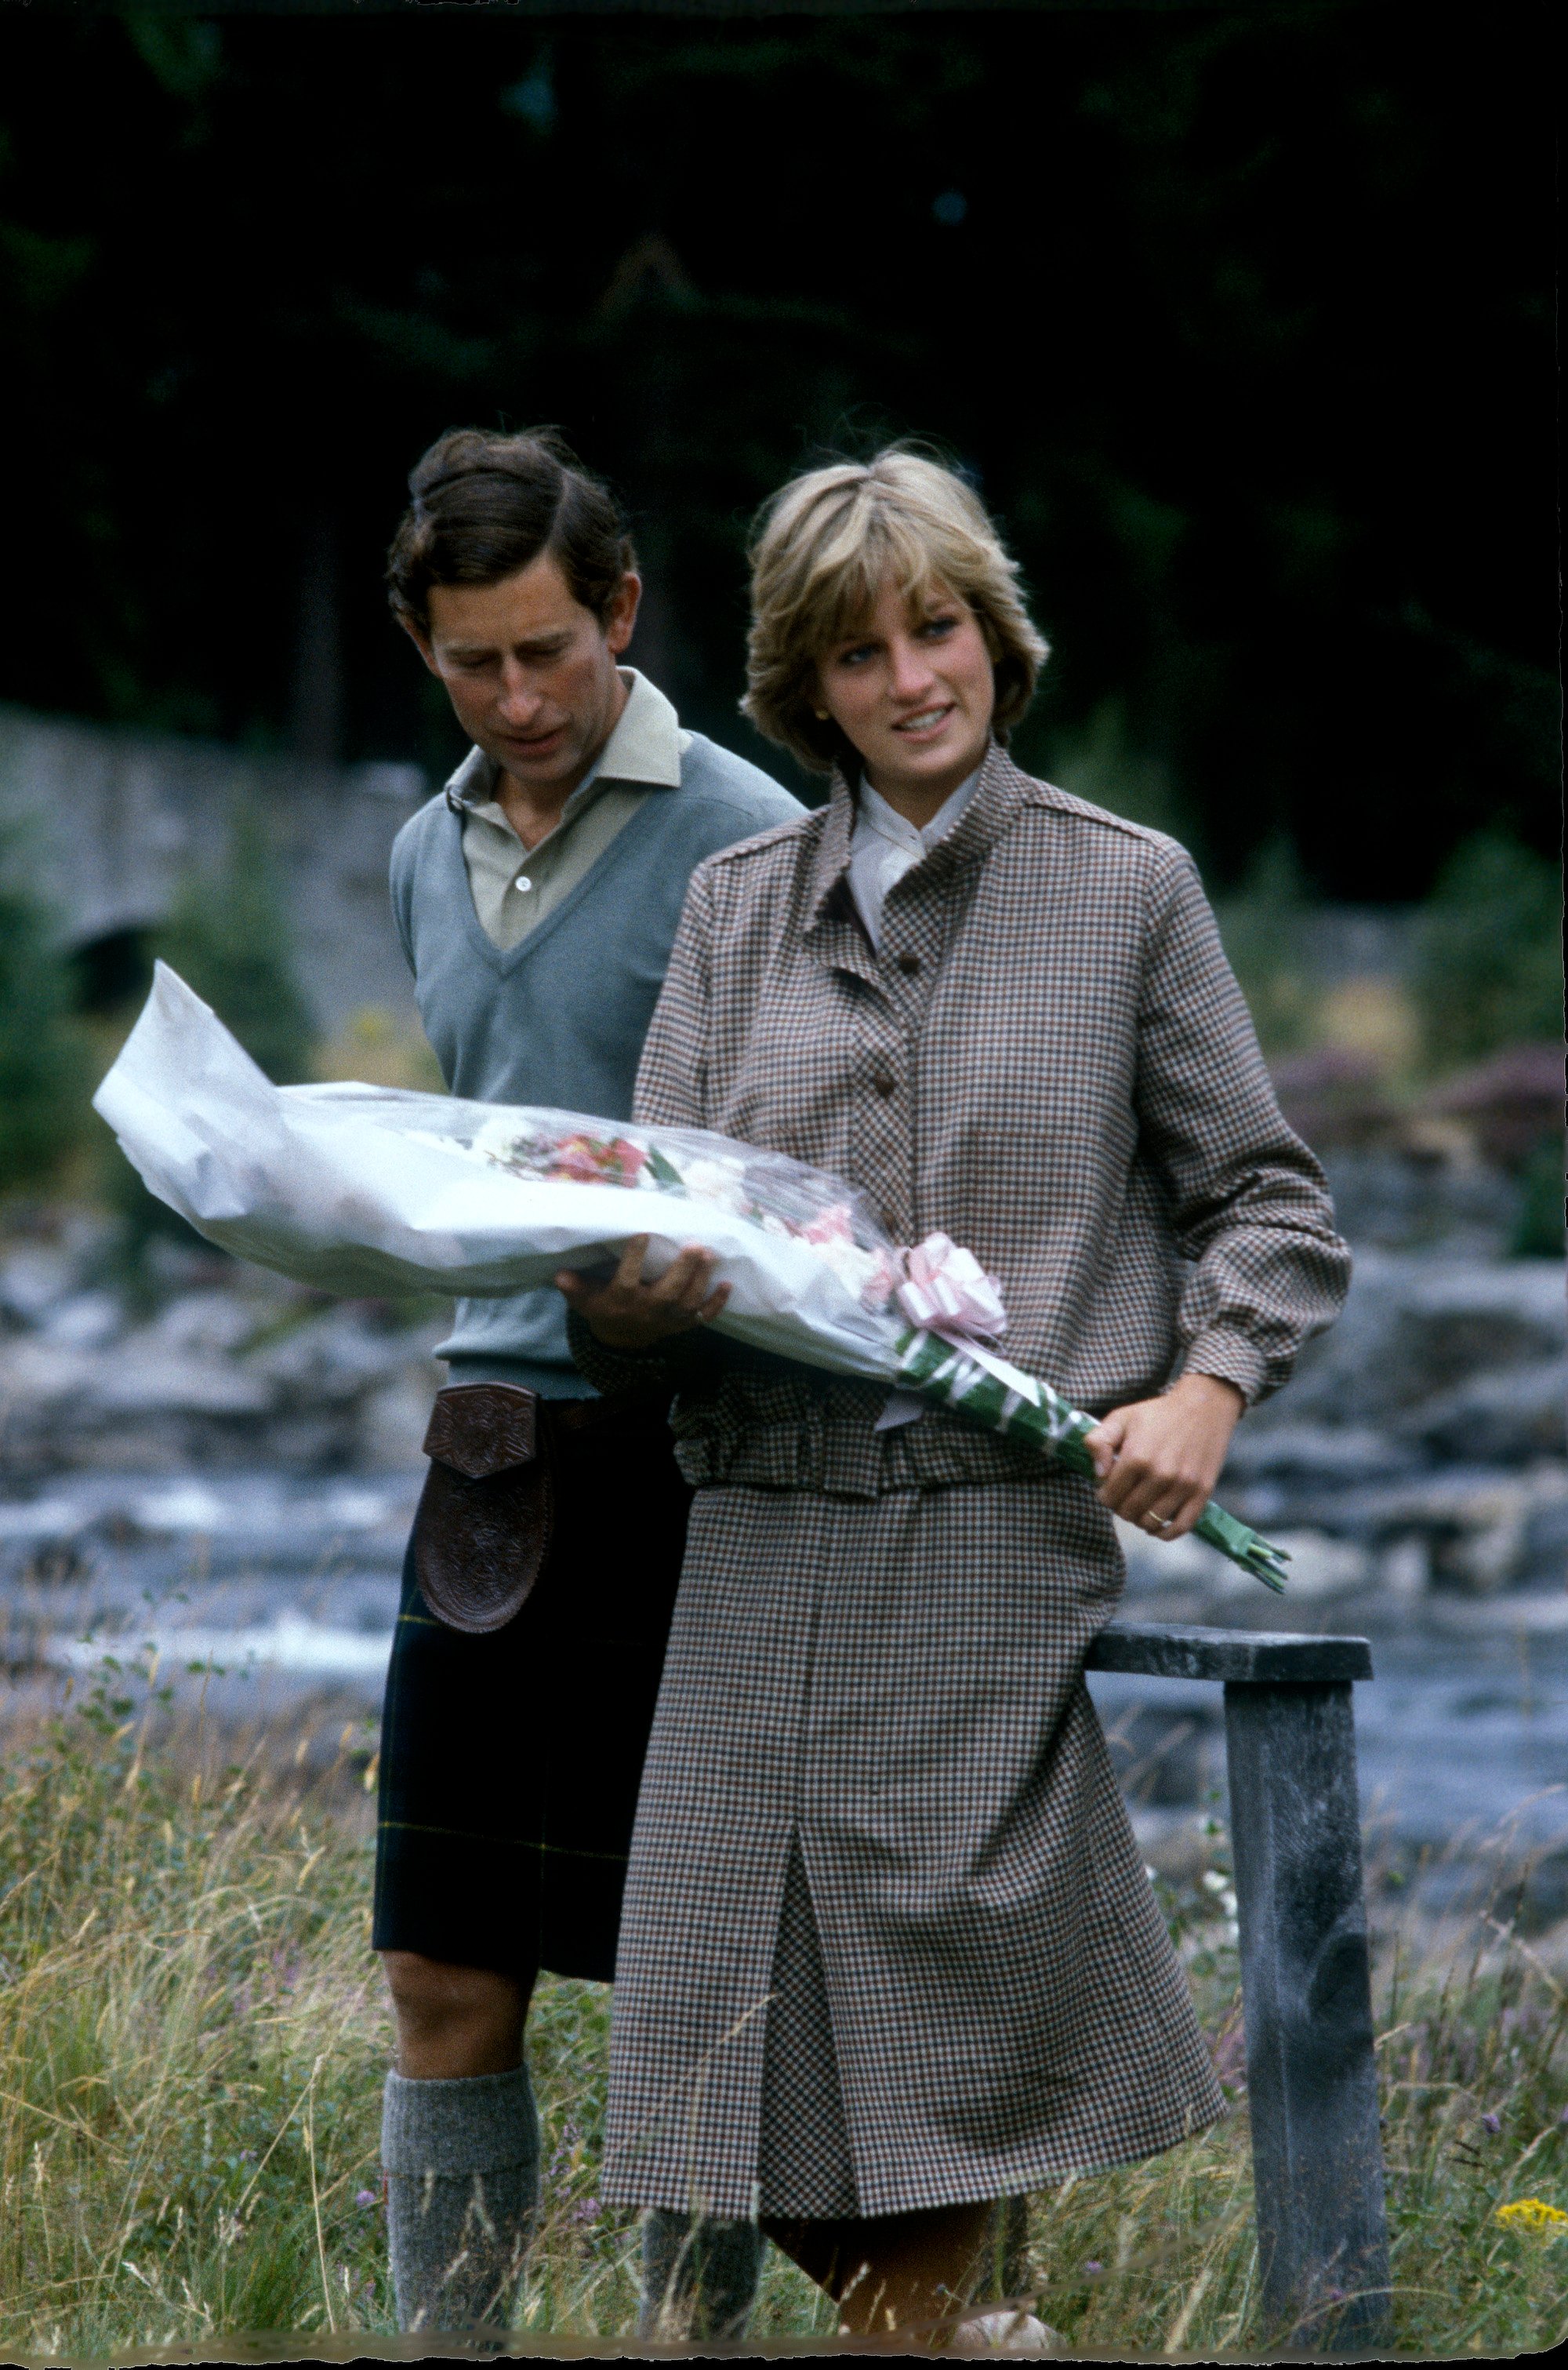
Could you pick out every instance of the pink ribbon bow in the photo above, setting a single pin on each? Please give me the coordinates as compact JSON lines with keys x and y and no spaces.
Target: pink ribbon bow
{"x":947,"y":1291}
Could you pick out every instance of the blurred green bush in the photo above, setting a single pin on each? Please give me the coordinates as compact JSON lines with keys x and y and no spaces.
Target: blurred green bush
{"x":1540,"y":1231}
{"x":45,"y":1073}
{"x":1489,"y":965}
{"x":1265,"y":926}
{"x":229,"y":938}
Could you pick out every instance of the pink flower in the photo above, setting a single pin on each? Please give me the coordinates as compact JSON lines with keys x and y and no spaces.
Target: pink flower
{"x":575,"y":1159}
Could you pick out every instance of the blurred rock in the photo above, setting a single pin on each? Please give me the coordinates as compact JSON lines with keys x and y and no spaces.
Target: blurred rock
{"x":82,"y":1320}
{"x":232,"y":1372}
{"x":1421,"y":1194}
{"x":393,"y":1420}
{"x":1416,"y":1324}
{"x":146,"y":1376}
{"x":1333,"y":1096}
{"x":1507,"y":1103}
{"x":1502,"y":1418}
{"x":1321,"y":1566}
{"x":330,"y":1358}
{"x":204,"y":1323}
{"x":1478,"y":1530}
{"x":33,"y":1277}
{"x":1339,"y":1454}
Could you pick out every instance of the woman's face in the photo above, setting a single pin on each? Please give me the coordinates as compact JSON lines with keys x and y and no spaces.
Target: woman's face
{"x":915,"y":691}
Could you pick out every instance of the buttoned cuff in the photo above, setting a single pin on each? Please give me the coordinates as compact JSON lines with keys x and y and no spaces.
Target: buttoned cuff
{"x":1230,"y":1357}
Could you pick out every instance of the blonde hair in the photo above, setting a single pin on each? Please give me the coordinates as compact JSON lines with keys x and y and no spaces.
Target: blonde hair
{"x":824,"y":547}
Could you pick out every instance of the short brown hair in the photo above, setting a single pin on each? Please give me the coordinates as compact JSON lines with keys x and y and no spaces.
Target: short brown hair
{"x":485,"y":505}
{"x":824,"y":546}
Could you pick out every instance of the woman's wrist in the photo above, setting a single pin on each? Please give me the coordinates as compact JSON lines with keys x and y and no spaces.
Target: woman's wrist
{"x":1196,"y":1385}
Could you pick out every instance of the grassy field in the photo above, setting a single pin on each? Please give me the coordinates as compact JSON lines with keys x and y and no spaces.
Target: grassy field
{"x":193,"y":2043}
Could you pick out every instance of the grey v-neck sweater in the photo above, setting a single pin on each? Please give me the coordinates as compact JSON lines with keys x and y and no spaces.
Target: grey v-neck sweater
{"x":560,"y":1020}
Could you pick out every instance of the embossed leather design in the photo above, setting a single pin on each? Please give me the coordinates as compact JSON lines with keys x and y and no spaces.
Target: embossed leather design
{"x":483,"y":1529}
{"x":482,"y":1428}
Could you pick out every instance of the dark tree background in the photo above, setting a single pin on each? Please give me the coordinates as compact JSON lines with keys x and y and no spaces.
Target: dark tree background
{"x":1240,"y":315}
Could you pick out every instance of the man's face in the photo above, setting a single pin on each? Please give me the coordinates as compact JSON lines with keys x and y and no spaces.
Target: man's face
{"x":530,"y":672}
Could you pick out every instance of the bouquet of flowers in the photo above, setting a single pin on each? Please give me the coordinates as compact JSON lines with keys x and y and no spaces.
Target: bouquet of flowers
{"x":362,"y":1189}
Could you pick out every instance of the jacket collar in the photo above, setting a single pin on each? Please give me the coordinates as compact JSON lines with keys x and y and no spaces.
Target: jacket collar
{"x":999,"y":795}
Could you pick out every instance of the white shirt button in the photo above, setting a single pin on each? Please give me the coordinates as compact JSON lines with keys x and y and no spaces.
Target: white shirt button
{"x":523,"y":881}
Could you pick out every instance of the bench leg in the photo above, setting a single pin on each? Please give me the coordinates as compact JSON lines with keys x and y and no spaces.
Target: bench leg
{"x":1311,"y":2076}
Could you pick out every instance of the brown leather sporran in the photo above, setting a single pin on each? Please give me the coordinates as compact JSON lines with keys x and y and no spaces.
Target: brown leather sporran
{"x":485,"y":1513}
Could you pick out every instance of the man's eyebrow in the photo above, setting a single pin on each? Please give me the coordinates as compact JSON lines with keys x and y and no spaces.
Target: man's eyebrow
{"x":555,"y":638}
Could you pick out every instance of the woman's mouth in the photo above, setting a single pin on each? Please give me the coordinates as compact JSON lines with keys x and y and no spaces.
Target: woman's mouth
{"x":926,"y":724}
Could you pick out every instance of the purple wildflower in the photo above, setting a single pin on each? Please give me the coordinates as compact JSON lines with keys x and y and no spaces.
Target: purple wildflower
{"x":366,"y":2197}
{"x":1491,"y":2123}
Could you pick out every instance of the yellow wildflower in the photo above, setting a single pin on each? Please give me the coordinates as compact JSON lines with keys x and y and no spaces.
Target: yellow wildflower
{"x":1532,"y":2214}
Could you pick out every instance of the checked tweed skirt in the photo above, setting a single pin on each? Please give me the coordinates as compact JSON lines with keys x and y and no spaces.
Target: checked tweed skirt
{"x":887,"y":1942}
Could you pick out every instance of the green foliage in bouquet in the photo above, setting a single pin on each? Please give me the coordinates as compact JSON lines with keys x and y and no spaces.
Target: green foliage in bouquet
{"x":947,"y":1375}
{"x":43,"y":1062}
{"x":1489,"y":969}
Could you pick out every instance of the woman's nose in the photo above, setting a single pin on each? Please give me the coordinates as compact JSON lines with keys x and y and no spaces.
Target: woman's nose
{"x":909,"y":671}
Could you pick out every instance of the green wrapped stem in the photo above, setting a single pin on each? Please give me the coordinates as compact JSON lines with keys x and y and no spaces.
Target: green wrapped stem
{"x":950,"y":1379}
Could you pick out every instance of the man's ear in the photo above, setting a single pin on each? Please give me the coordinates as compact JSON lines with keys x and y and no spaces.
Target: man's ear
{"x":422,"y":643}
{"x":622,"y":622}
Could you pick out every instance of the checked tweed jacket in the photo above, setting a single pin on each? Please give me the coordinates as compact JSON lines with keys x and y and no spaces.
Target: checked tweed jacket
{"x":886,"y":1939}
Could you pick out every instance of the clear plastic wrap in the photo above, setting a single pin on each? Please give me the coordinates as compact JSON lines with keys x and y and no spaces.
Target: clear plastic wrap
{"x":368,"y":1190}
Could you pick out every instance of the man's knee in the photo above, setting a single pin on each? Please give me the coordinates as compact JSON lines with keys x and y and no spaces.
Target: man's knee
{"x":453,"y":2020}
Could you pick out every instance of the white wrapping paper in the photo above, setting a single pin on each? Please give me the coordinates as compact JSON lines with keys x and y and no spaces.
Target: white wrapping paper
{"x":369,"y":1190}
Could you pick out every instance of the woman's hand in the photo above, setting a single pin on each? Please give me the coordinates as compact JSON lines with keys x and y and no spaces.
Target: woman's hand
{"x":1159,"y":1459}
{"x":627,"y":1314}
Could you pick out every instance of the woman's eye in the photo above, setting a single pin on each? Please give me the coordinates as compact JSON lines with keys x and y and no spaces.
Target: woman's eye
{"x":853,"y":658}
{"x":936,"y":628}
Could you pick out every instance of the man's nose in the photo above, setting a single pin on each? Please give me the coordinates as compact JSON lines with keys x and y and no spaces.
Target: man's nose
{"x":519,"y":699}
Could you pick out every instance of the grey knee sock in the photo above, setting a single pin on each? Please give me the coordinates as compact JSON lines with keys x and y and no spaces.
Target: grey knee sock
{"x":462,"y":2160}
{"x":699,"y":2278}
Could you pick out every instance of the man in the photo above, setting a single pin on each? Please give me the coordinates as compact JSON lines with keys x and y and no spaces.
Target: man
{"x":536,"y":898}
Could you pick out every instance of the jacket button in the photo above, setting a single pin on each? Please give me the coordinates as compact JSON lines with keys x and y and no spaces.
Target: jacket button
{"x":885,"y":1082}
{"x":908,"y":962}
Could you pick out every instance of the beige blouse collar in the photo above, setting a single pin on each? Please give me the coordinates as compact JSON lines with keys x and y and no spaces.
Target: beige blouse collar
{"x":999,"y":795}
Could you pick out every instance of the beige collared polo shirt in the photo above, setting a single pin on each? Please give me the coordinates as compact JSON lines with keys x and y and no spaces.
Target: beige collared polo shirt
{"x":515,"y":887}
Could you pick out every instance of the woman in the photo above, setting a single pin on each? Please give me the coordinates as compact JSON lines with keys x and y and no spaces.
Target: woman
{"x":888,"y":1951}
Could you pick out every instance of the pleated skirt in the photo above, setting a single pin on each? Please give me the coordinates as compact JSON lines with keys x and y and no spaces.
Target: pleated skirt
{"x":887,"y":1940}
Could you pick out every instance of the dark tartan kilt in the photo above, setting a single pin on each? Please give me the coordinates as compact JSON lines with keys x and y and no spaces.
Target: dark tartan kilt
{"x":509,"y":1763}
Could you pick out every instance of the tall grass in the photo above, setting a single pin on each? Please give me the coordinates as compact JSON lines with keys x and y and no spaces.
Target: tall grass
{"x":194,"y":2040}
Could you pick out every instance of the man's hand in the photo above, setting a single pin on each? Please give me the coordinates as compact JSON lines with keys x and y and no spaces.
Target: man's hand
{"x":627,"y":1314}
{"x":1159,"y":1459}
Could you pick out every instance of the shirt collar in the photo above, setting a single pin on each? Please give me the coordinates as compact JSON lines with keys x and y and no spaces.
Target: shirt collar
{"x":995,"y":796}
{"x":873,"y":814}
{"x":644,"y":747}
